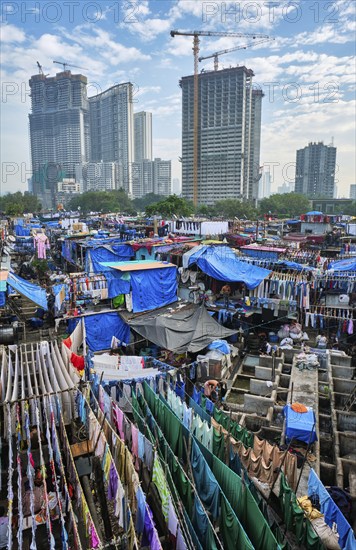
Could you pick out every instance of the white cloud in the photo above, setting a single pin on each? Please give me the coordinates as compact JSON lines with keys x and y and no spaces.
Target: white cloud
{"x":10,"y":33}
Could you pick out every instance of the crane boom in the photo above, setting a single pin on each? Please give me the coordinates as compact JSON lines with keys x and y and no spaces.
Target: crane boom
{"x":216,"y":55}
{"x":216,"y":33}
{"x":196,"y":41}
{"x":65,"y":64}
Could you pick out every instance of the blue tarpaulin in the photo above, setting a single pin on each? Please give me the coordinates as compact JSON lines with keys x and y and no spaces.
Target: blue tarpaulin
{"x":114,"y":253}
{"x":265,"y":254}
{"x":344,"y":265}
{"x":300,"y":425}
{"x":294,"y":265}
{"x":96,"y":261}
{"x":22,"y":231}
{"x":101,"y":327}
{"x":332,"y":513}
{"x":33,"y":292}
{"x":153,"y":288}
{"x":222,"y":264}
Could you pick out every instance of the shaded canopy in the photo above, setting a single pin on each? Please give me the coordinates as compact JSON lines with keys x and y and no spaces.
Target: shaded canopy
{"x":187,"y":328}
{"x":348,"y":264}
{"x":221,"y":263}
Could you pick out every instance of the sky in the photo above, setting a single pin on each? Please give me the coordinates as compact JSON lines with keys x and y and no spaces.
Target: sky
{"x":307,"y":72}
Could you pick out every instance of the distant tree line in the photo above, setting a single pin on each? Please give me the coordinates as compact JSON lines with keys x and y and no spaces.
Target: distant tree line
{"x":281,"y":205}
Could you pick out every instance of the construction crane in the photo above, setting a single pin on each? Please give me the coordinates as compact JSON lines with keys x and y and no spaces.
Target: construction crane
{"x":65,"y":64}
{"x":196,"y":42}
{"x":216,"y":55}
{"x":40,"y":69}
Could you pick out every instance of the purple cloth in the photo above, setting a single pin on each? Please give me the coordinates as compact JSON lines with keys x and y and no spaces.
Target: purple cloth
{"x":113,"y":482}
{"x":150,"y":536}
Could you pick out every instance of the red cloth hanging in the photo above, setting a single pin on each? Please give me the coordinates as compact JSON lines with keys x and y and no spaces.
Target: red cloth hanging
{"x":68,"y":342}
{"x":77,"y":361}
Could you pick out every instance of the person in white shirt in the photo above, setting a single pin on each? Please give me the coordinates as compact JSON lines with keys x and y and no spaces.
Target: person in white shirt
{"x":321,"y":340}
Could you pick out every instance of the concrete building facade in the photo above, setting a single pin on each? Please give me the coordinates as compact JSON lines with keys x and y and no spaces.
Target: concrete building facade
{"x":152,"y":177}
{"x":142,"y":136}
{"x":59,"y":131}
{"x":229,"y":128}
{"x":315,"y":170}
{"x":98,"y":176}
{"x":162,"y":177}
{"x":112,"y":131}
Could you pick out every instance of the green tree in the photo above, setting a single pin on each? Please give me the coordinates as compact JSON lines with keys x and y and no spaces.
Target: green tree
{"x":350,"y":209}
{"x":285,"y":205}
{"x":102,"y":201}
{"x":141,"y":203}
{"x":16,"y":204}
{"x":206,"y":211}
{"x":231,"y":208}
{"x":171,"y":205}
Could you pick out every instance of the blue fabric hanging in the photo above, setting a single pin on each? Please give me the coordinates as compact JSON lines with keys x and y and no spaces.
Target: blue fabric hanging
{"x":207,"y":486}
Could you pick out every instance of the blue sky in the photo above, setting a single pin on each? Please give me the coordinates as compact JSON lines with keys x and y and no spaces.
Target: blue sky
{"x":307,"y":73}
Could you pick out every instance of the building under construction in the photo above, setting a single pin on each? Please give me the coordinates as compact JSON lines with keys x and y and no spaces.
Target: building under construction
{"x":228,"y":135}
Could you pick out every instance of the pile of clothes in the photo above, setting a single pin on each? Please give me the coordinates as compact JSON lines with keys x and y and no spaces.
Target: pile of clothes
{"x":293,"y":333}
{"x":307,"y":361}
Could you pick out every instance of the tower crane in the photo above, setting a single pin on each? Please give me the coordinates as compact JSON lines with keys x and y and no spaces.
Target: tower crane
{"x":216,"y":55}
{"x":196,"y":42}
{"x":40,"y":69}
{"x":65,"y":64}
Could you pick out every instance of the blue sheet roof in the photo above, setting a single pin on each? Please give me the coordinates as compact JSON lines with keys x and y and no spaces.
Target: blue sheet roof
{"x":35,"y":293}
{"x":344,"y":265}
{"x":222,"y":264}
{"x":300,"y":425}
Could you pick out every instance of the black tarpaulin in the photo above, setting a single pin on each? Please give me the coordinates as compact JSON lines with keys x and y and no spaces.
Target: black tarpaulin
{"x":180,"y":329}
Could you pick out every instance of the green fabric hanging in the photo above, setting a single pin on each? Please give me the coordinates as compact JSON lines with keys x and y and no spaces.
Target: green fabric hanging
{"x":232,"y":533}
{"x":312,"y":540}
{"x":293,"y":514}
{"x":218,"y":445}
{"x":245,"y":506}
{"x":171,"y":427}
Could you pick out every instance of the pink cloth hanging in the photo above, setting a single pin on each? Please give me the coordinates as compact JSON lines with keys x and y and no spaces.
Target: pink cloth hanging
{"x":41,"y":242}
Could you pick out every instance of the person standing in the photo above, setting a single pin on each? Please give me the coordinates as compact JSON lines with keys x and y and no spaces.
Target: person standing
{"x":226,"y":291}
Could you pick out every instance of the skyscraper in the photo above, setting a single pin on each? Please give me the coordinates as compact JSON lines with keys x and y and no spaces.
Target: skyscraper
{"x":59,"y":131}
{"x":143,"y":136}
{"x":162,"y":178}
{"x":229,"y":128}
{"x":315,"y":170}
{"x":142,"y":178}
{"x":111,"y":130}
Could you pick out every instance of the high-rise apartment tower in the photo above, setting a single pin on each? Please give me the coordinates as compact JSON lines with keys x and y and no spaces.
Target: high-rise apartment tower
{"x":59,"y":131}
{"x":229,"y":130}
{"x":315,"y":170}
{"x":111,"y":130}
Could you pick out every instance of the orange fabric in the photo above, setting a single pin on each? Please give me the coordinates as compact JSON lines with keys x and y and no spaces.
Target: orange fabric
{"x":299,"y":408}
{"x":67,"y":342}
